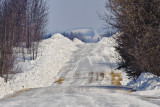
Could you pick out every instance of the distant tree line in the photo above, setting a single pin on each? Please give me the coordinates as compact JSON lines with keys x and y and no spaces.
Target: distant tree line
{"x":139,"y":42}
{"x":72,"y":35}
{"x":107,"y":34}
{"x":22,"y":24}
{"x":83,"y":37}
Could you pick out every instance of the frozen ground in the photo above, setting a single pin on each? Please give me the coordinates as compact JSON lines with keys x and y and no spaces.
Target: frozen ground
{"x":88,"y":79}
{"x":71,"y":96}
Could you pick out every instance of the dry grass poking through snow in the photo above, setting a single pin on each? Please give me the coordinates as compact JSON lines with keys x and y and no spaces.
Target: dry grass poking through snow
{"x":59,"y":81}
{"x":98,"y":76}
{"x":90,"y":77}
{"x":116,"y":78}
{"x":18,"y":92}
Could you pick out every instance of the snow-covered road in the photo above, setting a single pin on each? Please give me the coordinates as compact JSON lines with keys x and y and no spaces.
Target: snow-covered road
{"x":86,"y":67}
{"x":75,"y":97}
{"x":74,"y":85}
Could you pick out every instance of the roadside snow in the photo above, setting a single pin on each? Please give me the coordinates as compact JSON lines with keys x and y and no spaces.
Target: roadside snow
{"x":53,"y":54}
{"x":146,"y":81}
{"x":77,"y":41}
{"x":75,"y":97}
{"x":108,"y":50}
{"x":147,"y":86}
{"x":71,"y":91}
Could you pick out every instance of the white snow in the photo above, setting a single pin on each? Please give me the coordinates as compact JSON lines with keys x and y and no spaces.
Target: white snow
{"x":96,"y":36}
{"x":77,"y":41}
{"x":75,"y":97}
{"x":107,"y":49}
{"x":53,"y":54}
{"x":146,"y":81}
{"x":83,"y":82}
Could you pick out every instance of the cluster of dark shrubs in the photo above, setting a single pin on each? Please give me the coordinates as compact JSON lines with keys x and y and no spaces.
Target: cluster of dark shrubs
{"x":22,"y":24}
{"x":139,"y":42}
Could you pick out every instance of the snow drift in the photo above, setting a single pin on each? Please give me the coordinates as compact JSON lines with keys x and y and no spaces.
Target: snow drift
{"x":146,"y":81}
{"x":77,"y":41}
{"x":53,"y":54}
{"x":108,"y":50}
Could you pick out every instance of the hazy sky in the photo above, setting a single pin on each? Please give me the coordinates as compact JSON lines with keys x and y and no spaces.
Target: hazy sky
{"x":68,"y":14}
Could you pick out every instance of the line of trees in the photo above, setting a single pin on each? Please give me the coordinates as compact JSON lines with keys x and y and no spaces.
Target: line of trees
{"x":139,"y":42}
{"x":22,"y":24}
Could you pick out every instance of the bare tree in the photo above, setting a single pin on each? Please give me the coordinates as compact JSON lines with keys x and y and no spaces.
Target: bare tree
{"x":6,"y":44}
{"x":22,"y":24}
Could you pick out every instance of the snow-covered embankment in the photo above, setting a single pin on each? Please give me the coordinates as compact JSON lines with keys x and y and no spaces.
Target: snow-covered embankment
{"x":53,"y":54}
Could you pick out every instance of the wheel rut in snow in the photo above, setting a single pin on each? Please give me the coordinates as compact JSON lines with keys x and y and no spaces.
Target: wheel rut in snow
{"x":87,"y":67}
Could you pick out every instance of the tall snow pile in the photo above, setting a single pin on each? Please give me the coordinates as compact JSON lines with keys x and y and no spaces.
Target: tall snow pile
{"x":108,"y":49}
{"x":53,"y":54}
{"x":146,"y":81}
{"x":77,"y":41}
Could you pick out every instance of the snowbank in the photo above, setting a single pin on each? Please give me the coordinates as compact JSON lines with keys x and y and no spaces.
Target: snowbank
{"x":109,"y":44}
{"x":146,"y":81}
{"x":77,"y":41}
{"x":107,"y":49}
{"x":53,"y":54}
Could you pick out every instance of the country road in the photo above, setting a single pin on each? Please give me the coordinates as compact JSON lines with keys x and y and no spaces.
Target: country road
{"x":86,"y":67}
{"x":89,"y":79}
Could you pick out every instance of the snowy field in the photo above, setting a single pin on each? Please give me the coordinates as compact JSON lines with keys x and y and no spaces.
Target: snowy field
{"x":74,"y":74}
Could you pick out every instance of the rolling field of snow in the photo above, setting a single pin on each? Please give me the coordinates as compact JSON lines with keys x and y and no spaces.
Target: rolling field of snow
{"x":76,"y":74}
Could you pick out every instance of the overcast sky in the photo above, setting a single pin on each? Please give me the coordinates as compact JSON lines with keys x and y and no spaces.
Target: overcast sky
{"x":68,"y":14}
